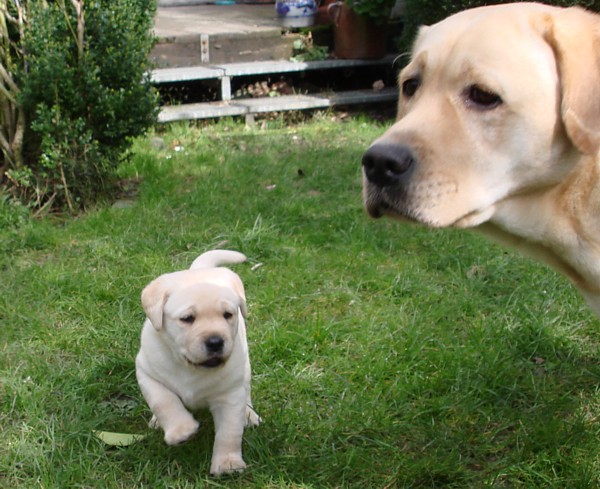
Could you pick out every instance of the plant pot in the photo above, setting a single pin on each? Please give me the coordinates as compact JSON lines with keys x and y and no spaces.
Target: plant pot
{"x":323,"y":16}
{"x":296,"y":13}
{"x":354,"y":36}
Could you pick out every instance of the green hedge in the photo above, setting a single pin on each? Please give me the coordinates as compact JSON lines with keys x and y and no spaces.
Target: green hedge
{"x":84,"y":93}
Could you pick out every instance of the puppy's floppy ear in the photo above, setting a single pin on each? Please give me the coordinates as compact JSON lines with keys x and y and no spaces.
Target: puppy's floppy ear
{"x":154,"y":297}
{"x":238,"y":287}
{"x":574,"y":35}
{"x":243,"y":307}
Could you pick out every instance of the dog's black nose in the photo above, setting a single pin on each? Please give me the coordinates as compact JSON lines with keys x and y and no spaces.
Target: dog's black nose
{"x":214,"y":344}
{"x":386,"y":164}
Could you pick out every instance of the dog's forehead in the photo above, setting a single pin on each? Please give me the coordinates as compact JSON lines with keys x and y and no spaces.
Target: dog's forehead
{"x":486,"y":39}
{"x":493,"y":19}
{"x":201,"y":298}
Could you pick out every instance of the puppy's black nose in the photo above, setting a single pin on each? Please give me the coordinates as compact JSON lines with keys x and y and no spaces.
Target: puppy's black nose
{"x":386,"y":164}
{"x":214,"y":344}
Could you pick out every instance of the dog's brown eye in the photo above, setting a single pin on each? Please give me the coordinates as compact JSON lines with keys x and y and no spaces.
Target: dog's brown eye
{"x":227,"y":315}
{"x":483,"y":98}
{"x":188,"y":319}
{"x":410,"y":86}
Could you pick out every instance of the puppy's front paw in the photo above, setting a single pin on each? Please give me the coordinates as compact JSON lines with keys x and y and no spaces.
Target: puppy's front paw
{"x":227,"y":465}
{"x":153,"y":423}
{"x":252,"y":418}
{"x":181,"y":432}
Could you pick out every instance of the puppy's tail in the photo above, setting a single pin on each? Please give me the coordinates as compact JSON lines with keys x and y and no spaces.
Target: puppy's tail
{"x":215,"y":258}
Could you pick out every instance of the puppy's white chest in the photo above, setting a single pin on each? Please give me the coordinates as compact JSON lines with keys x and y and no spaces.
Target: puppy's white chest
{"x":199,"y":389}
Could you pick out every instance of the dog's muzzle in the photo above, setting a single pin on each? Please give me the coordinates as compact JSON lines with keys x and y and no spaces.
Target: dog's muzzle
{"x":387,"y":165}
{"x":213,"y":362}
{"x":387,"y":170}
{"x":214,"y":346}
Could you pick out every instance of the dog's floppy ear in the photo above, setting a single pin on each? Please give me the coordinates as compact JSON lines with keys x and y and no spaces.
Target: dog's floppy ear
{"x":238,"y":287}
{"x":154,"y":297}
{"x":243,"y":307}
{"x":574,"y":35}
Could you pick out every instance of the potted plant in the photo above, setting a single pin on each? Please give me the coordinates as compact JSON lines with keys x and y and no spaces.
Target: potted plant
{"x":376,"y":10}
{"x":359,"y":27}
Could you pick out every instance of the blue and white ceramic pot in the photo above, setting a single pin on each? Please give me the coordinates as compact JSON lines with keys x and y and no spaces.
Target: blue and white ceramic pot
{"x":296,"y":13}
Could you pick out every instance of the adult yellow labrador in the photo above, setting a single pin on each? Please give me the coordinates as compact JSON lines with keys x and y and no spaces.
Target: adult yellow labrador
{"x":498,"y":130}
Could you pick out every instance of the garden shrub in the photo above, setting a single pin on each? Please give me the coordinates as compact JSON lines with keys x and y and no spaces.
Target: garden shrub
{"x":85,"y":93}
{"x":427,"y":12}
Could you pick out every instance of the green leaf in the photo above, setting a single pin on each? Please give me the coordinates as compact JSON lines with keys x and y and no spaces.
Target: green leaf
{"x":118,"y":439}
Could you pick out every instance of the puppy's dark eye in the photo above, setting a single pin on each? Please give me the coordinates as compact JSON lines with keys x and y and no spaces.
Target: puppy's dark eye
{"x":189,"y":319}
{"x":483,"y":98}
{"x":227,"y":315}
{"x":410,"y":86}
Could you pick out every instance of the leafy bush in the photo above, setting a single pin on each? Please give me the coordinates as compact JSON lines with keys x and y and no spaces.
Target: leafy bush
{"x":427,"y":12}
{"x":378,"y":10}
{"x":84,"y":92}
{"x":12,"y":213}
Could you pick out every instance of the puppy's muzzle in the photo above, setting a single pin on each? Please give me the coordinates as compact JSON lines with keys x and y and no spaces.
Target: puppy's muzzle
{"x":214,"y":349}
{"x":387,"y":165}
{"x":214,"y":345}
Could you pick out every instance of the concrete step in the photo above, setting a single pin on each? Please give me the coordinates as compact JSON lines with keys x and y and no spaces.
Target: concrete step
{"x":249,"y":107}
{"x":190,"y":35}
{"x":225,"y":72}
{"x":221,"y":43}
{"x":204,"y":72}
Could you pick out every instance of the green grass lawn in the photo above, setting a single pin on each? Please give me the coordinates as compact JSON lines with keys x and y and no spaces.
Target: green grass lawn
{"x":384,"y":355}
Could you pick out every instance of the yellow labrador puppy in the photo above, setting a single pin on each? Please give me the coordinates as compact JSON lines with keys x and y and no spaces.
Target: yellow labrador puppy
{"x":194,"y":354}
{"x":498,"y":130}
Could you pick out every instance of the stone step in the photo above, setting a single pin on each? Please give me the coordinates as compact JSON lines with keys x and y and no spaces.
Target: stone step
{"x":204,"y":72}
{"x":213,"y":42}
{"x":249,"y":107}
{"x":189,"y":35}
{"x":225,"y":72}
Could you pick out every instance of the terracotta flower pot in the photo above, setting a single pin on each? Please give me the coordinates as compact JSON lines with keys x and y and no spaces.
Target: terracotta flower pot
{"x":354,"y":36}
{"x":323,"y":12}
